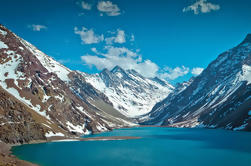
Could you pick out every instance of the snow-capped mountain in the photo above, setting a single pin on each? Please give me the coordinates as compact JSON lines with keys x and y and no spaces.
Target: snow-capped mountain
{"x":130,"y":93}
{"x":40,"y":98}
{"x":220,"y":97}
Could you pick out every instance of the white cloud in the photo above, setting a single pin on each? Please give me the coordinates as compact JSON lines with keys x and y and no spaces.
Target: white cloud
{"x":109,"y":8}
{"x":86,"y":5}
{"x":174,"y":73}
{"x":119,"y":38}
{"x":196,"y":71}
{"x":123,"y":57}
{"x":202,"y":6}
{"x":128,"y":59}
{"x":88,"y":36}
{"x":36,"y":27}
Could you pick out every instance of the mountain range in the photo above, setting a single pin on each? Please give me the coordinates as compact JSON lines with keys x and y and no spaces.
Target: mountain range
{"x":220,"y":97}
{"x":41,"y":99}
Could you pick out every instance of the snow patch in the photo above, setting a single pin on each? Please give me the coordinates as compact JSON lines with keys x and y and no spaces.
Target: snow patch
{"x":119,"y":75}
{"x":3,"y":45}
{"x":59,"y":97}
{"x":49,"y":108}
{"x":43,"y":113}
{"x":2,"y":32}
{"x":246,"y":73}
{"x":80,"y":108}
{"x":45,"y":98}
{"x":101,"y":128}
{"x":78,"y":128}
{"x":52,"y":134}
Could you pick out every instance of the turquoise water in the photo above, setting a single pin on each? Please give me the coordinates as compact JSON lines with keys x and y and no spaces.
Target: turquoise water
{"x":158,"y":146}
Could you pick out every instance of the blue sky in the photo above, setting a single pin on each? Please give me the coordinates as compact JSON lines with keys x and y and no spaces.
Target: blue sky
{"x":167,"y":38}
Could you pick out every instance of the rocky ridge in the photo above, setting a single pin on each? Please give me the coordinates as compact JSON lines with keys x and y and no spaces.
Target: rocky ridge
{"x":218,"y":98}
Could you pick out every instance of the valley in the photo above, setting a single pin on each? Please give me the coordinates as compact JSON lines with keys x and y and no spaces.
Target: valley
{"x":43,"y":101}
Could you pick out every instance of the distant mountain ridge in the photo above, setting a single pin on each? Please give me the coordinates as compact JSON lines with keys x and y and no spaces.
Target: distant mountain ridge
{"x":130,"y":93}
{"x":220,"y":97}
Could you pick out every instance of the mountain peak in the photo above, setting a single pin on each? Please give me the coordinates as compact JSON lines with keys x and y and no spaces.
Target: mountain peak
{"x":162,"y":82}
{"x":134,"y":72}
{"x":105,"y":71}
{"x":117,"y":69}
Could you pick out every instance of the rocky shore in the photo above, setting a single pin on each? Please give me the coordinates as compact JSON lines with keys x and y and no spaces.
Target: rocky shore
{"x":7,"y":159}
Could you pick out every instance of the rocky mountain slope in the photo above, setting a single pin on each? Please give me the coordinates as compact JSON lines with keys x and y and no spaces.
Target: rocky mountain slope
{"x":220,"y":97}
{"x":130,"y":93}
{"x":41,"y":98}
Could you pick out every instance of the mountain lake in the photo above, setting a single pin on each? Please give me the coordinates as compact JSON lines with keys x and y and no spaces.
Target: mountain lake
{"x":157,"y":146}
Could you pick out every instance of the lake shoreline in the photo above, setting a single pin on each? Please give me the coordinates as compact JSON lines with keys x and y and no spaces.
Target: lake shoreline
{"x":7,"y":157}
{"x":10,"y":158}
{"x":157,"y":138}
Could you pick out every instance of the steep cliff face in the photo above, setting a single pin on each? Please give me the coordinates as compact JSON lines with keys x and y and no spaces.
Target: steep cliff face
{"x":220,"y":97}
{"x":62,"y":103}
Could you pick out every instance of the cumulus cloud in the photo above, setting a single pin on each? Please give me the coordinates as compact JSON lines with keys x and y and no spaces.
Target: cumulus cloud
{"x":128,"y":59}
{"x":86,"y":5}
{"x":202,"y":6}
{"x":119,"y":38}
{"x":36,"y":27}
{"x":197,"y":70}
{"x":111,"y":55}
{"x":88,"y":36}
{"x":108,"y":8}
{"x":123,"y":57}
{"x":174,"y":73}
